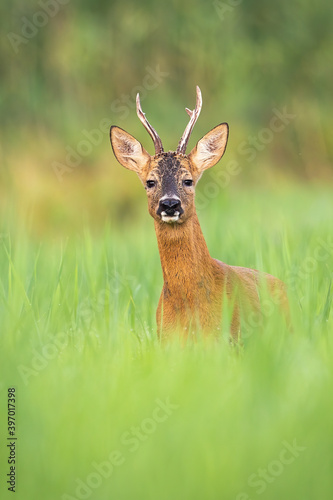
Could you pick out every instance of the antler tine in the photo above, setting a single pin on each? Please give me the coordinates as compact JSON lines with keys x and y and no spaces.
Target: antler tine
{"x":193,"y":118}
{"x":151,"y":131}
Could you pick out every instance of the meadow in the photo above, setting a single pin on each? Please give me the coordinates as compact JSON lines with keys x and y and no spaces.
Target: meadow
{"x":105,"y":411}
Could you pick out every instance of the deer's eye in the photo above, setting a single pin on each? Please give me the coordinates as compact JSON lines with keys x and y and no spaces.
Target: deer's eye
{"x":151,"y":184}
{"x":188,"y":182}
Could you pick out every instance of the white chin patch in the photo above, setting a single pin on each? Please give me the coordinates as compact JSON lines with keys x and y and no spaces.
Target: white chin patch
{"x":170,"y":219}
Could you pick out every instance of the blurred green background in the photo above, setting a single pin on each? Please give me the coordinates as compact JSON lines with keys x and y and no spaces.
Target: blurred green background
{"x":68,"y":66}
{"x":80,"y":274}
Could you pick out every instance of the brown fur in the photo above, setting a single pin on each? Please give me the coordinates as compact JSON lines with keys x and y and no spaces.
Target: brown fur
{"x":195,"y":284}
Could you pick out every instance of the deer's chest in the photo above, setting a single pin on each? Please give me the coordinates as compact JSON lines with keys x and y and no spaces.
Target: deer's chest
{"x":195,"y":302}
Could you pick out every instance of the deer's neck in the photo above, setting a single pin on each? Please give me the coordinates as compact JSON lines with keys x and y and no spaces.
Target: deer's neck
{"x":184,"y":254}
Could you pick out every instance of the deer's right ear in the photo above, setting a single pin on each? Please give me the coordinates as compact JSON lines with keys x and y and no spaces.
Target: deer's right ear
{"x":210,"y":149}
{"x":128,"y":151}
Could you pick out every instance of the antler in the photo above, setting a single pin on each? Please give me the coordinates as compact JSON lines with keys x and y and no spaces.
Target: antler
{"x":193,"y":118}
{"x":151,"y":131}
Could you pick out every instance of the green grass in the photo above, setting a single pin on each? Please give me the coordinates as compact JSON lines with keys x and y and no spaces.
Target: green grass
{"x":78,"y":343}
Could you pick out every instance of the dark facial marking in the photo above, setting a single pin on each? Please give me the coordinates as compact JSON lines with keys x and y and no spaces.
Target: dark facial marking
{"x":168,"y":168}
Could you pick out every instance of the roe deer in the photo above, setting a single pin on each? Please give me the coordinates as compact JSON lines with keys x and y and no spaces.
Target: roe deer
{"x":194,"y":283}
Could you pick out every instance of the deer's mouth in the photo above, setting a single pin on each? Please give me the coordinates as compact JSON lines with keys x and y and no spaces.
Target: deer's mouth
{"x":170,"y":218}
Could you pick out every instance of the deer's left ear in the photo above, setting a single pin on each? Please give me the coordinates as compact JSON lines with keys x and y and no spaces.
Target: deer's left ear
{"x":209,"y":150}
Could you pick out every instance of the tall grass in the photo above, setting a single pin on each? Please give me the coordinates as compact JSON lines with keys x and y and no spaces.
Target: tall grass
{"x":97,"y":395}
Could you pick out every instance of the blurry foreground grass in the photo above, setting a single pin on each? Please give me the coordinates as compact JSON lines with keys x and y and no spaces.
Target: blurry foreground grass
{"x":104,"y":411}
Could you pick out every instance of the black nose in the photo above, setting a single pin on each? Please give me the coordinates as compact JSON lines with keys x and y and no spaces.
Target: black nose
{"x":170,"y":206}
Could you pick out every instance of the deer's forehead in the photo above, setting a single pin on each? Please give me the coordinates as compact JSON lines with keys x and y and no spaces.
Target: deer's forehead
{"x":170,"y":167}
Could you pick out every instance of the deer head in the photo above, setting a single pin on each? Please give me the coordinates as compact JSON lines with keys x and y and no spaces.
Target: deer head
{"x":170,"y":178}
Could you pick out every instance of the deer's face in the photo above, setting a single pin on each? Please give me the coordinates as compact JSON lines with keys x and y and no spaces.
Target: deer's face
{"x":169,"y":184}
{"x":170,"y":178}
